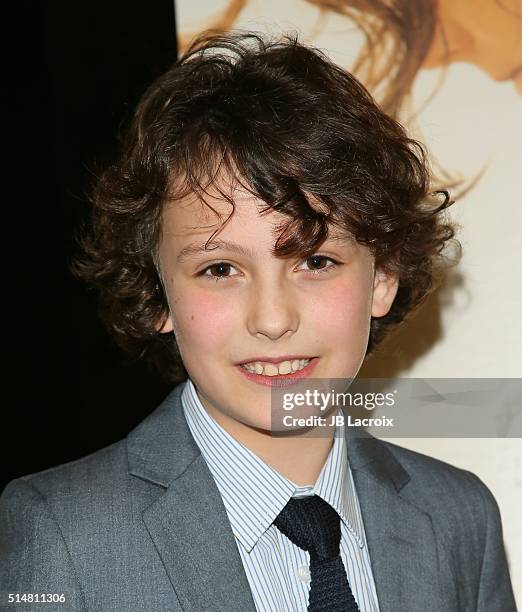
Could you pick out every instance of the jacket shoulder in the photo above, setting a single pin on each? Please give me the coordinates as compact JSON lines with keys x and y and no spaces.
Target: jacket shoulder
{"x":76,"y":494}
{"x":80,"y":477}
{"x":433,"y":480}
{"x":458,"y":501}
{"x":434,"y":474}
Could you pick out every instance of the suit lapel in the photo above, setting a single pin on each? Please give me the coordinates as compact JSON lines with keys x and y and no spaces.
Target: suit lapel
{"x":192,"y":534}
{"x":187,"y":522}
{"x":400,"y":536}
{"x":402,"y":548}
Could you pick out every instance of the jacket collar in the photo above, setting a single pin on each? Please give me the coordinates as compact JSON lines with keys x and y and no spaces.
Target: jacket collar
{"x":161,"y":448}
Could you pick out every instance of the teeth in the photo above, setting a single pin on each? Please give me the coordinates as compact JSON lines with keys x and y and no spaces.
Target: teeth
{"x":273,"y":369}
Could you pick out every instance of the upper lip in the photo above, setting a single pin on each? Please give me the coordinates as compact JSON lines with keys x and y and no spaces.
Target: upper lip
{"x":275,"y":359}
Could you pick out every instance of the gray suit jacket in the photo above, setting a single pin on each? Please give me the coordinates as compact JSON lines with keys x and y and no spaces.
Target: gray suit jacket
{"x":140,"y":526}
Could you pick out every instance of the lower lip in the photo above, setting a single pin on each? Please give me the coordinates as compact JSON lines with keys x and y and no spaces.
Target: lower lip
{"x":280,"y":380}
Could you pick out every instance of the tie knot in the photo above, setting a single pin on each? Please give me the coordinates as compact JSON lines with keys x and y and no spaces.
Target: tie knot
{"x":313,"y":525}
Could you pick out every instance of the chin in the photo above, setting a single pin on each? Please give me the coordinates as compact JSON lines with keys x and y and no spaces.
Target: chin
{"x":262,"y":424}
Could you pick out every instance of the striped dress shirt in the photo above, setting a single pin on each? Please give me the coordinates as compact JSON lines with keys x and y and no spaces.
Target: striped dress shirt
{"x":254,"y":493}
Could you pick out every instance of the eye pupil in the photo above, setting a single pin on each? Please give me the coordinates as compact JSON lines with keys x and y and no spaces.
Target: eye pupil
{"x":317,"y":259}
{"x":221,"y":268}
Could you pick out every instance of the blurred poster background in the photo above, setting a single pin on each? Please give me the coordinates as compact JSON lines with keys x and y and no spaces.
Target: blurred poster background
{"x":452,"y":73}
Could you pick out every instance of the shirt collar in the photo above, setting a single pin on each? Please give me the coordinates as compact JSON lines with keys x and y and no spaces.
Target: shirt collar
{"x":253,"y":492}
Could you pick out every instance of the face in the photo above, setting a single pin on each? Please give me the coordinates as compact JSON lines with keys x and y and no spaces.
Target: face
{"x":239,"y":303}
{"x":487,"y":33}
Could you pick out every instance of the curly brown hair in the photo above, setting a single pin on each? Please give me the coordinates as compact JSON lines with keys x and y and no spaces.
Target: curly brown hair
{"x":293,"y":128}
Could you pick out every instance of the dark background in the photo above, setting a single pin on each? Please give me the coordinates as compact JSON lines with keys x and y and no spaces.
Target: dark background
{"x":80,"y":68}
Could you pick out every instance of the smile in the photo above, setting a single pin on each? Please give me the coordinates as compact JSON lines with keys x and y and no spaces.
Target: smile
{"x":279,"y":374}
{"x":273,"y":369}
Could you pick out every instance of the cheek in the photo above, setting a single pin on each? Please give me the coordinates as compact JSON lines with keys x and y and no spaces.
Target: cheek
{"x":344,"y":307}
{"x":202,"y":319}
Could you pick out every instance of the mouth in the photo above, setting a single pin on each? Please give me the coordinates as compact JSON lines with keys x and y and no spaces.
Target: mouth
{"x":278,"y":372}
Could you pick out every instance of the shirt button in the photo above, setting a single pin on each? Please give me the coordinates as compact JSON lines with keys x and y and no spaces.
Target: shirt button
{"x":303,"y":573}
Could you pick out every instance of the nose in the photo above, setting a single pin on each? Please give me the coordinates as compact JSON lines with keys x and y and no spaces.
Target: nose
{"x":273,"y":310}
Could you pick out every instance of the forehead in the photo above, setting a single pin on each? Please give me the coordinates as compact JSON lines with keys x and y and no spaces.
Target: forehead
{"x":233,"y":210}
{"x":194,"y":212}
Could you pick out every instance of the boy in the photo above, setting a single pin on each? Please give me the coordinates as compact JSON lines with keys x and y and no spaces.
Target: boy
{"x":265,"y":222}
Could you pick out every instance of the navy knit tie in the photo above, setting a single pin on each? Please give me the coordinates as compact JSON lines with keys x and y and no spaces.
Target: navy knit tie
{"x":313,"y":525}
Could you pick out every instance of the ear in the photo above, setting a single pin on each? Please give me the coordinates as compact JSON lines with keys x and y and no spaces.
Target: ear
{"x":166,"y":327}
{"x":385,"y":288}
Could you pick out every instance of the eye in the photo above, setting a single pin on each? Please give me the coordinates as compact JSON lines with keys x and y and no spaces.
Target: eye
{"x":318,"y":260}
{"x":221,"y":268}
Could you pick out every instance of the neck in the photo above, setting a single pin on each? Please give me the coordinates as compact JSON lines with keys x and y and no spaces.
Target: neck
{"x":300,"y":458}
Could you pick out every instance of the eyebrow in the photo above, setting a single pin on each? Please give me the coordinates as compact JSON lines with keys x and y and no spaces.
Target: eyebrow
{"x":193,"y":250}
